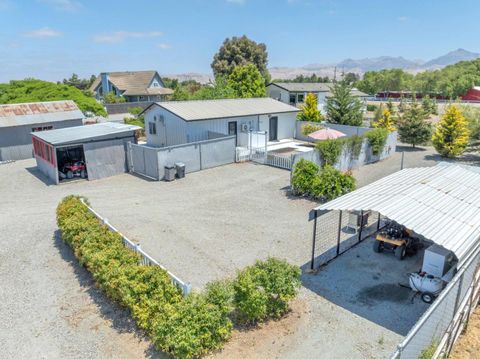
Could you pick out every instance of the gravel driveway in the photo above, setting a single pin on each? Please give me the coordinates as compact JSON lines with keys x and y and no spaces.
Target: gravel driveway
{"x":50,"y":308}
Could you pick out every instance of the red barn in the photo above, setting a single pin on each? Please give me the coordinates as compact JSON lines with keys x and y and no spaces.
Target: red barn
{"x":472,"y":95}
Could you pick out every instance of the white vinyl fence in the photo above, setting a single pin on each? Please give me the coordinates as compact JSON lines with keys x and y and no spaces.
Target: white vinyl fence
{"x":146,"y":259}
{"x":256,"y":148}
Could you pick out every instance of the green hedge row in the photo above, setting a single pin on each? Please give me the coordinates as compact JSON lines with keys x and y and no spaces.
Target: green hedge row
{"x":184,"y":327}
{"x":326,"y":183}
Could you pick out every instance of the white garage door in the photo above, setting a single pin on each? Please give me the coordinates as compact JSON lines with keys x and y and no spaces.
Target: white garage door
{"x":104,"y":159}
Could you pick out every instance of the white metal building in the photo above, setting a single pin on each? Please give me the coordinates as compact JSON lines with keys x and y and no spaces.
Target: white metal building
{"x":17,"y":121}
{"x":179,"y":122}
{"x":294,"y":93}
{"x":102,"y":147}
{"x":440,"y":203}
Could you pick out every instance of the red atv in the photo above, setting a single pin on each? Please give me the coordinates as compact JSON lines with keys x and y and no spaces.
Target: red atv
{"x":75,"y":169}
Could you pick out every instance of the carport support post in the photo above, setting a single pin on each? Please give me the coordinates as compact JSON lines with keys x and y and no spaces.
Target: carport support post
{"x":361,"y":226}
{"x":378,"y":221}
{"x":312,"y":263}
{"x":339,"y":231}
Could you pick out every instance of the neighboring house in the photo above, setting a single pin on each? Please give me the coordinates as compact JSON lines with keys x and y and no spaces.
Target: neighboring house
{"x":133,"y":86}
{"x":178,"y":122}
{"x":294,"y":93}
{"x":102,"y":147}
{"x":18,"y":121}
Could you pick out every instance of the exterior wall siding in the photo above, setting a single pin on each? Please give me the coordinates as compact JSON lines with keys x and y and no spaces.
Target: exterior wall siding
{"x":16,"y":142}
{"x":176,"y":131}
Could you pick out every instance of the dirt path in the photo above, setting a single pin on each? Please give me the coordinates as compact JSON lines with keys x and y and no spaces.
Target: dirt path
{"x":468,"y":345}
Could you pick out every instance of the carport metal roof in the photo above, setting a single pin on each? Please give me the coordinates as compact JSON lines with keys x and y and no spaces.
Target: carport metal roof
{"x":440,"y":203}
{"x":84,"y":133}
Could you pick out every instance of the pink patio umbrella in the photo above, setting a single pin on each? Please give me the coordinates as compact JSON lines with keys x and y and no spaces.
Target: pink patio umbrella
{"x":326,"y":134}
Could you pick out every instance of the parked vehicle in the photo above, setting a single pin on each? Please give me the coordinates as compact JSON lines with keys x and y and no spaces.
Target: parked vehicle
{"x":75,"y":169}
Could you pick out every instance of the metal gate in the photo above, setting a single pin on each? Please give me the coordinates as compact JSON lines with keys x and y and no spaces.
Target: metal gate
{"x":104,"y":159}
{"x":143,"y":160}
{"x":257,"y":141}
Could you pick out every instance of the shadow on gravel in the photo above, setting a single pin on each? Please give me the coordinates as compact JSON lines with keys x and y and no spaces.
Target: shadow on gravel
{"x":402,"y":148}
{"x":368,"y":285}
{"x":119,"y":317}
{"x":34,"y":171}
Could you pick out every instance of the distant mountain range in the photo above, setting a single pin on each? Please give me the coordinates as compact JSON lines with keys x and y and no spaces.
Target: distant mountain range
{"x":359,"y":66}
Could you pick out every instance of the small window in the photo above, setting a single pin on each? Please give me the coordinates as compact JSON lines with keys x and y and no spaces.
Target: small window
{"x":155,"y":84}
{"x":300,"y":98}
{"x":152,"y":128}
{"x":292,"y":99}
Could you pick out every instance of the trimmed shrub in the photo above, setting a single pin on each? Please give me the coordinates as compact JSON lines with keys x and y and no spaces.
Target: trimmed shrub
{"x":192,"y":328}
{"x":146,"y":291}
{"x":377,"y":138}
{"x":265,"y":289}
{"x":371,"y":107}
{"x":303,"y":177}
{"x":184,"y":327}
{"x":330,"y":150}
{"x":221,"y":294}
{"x":331,"y":183}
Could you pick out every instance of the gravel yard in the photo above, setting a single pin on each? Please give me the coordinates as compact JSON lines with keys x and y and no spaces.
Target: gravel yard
{"x":201,"y":228}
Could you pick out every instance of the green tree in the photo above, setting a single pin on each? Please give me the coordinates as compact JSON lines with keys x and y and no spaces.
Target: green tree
{"x":310,"y":110}
{"x":81,"y":84}
{"x":472,"y":115}
{"x":110,"y":97}
{"x":214,"y":90}
{"x":342,"y":107}
{"x":240,"y":51}
{"x":451,"y":135}
{"x":247,"y":82}
{"x":429,"y":105}
{"x":413,"y":127}
{"x":351,"y":78}
{"x":32,"y":90}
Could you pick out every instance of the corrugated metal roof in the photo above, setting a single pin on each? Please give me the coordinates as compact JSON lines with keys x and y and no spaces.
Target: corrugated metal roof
{"x":212,"y":109}
{"x":440,"y":203}
{"x":20,"y":114}
{"x":314,"y":87}
{"x":83,"y":133}
{"x":304,"y":86}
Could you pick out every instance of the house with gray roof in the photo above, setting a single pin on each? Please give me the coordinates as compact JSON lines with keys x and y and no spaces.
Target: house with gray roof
{"x":178,"y":122}
{"x":133,"y":86}
{"x":18,"y":121}
{"x":294,"y":93}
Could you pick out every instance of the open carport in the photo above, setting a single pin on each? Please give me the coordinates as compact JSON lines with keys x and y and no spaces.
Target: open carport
{"x":440,"y":206}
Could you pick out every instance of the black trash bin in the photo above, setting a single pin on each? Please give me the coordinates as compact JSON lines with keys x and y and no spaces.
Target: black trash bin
{"x":170,"y":172}
{"x":180,"y":167}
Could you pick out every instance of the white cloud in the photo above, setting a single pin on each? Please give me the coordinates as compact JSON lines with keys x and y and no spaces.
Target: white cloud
{"x":164,"y":46}
{"x":239,"y":2}
{"x":44,"y":32}
{"x":402,"y":18}
{"x":63,"y":5}
{"x":120,"y":36}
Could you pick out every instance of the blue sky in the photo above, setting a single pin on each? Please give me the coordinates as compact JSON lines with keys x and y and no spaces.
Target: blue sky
{"x":50,"y":39}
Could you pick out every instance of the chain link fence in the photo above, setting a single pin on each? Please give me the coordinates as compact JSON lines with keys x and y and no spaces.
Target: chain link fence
{"x":334,"y":232}
{"x":442,"y":323}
